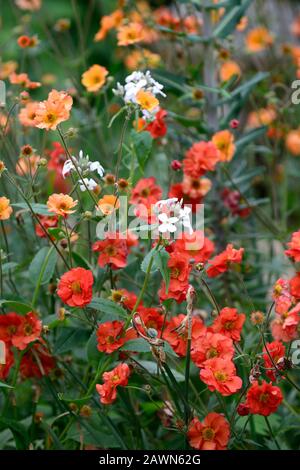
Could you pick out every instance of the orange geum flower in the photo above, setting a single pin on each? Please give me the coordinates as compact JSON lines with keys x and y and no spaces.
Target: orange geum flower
{"x":24,"y":41}
{"x":224,"y":141}
{"x":7,"y":68}
{"x":130,"y":34}
{"x":94,"y":78}
{"x":5,"y":208}
{"x":146,"y":100}
{"x":23,"y":80}
{"x":292,"y":142}
{"x":108,"y":204}
{"x":28,"y":113}
{"x":259,"y":39}
{"x":228,"y":69}
{"x":56,"y":109}
{"x":107,"y":23}
{"x":61,"y":204}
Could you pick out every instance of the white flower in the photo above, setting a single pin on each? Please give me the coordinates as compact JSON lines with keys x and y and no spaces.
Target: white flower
{"x":167,"y":224}
{"x":90,"y":184}
{"x":185,"y":218}
{"x":96,"y":166}
{"x":67,"y":168}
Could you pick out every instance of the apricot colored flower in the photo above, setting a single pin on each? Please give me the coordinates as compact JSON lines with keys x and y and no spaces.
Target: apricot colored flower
{"x":228,"y":69}
{"x":130,"y":34}
{"x":31,"y":5}
{"x":5,"y":208}
{"x":144,"y":195}
{"x":113,"y":379}
{"x":141,"y":59}
{"x":210,"y":346}
{"x":224,"y":141}
{"x":294,"y":247}
{"x":212,"y":434}
{"x":27,"y":165}
{"x":7,"y":68}
{"x":262,"y":117}
{"x":147,"y":100}
{"x":61,"y":204}
{"x":75,"y":287}
{"x":176,"y":333}
{"x":53,"y":111}
{"x":28,"y":330}
{"x":272,"y":353}
{"x":222,"y":262}
{"x":292,"y":142}
{"x":200,"y":158}
{"x":108,"y":204}
{"x":259,"y":39}
{"x":28,"y":113}
{"x":94,"y":78}
{"x":107,"y":23}
{"x":23,"y":80}
{"x":263,"y":399}
{"x":220,"y":375}
{"x":229,"y":323}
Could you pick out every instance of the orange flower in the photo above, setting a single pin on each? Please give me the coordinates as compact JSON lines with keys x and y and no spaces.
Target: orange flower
{"x":224,"y":141}
{"x":24,"y":41}
{"x":56,"y":109}
{"x":146,"y":100}
{"x":108,"y":204}
{"x":28,"y":113}
{"x":61,"y":204}
{"x":262,"y":117}
{"x":229,"y":69}
{"x":107,"y":23}
{"x":212,"y":434}
{"x":130,"y":34}
{"x":141,"y":59}
{"x":242,"y":25}
{"x":259,"y":39}
{"x":94,"y":78}
{"x":27,"y":165}
{"x":5,"y":208}
{"x":292,"y":142}
{"x":23,"y":80}
{"x":7,"y":68}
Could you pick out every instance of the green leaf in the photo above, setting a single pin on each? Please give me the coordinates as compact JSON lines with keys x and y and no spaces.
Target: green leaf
{"x":4,"y":385}
{"x":161,"y":259}
{"x":19,"y":307}
{"x":80,"y":260}
{"x":146,"y":261}
{"x":136,"y":345}
{"x":250,"y":137}
{"x":8,"y":267}
{"x":40,"y":209}
{"x":42,"y":266}
{"x":230,"y":20}
{"x":112,"y":310}
{"x":18,"y":430}
{"x":142,"y":144}
{"x":70,"y":338}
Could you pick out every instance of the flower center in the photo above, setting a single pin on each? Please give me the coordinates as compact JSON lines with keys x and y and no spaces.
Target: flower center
{"x":228,"y":325}
{"x":212,"y":352}
{"x":28,"y":329}
{"x":208,"y":434}
{"x":264,"y":397}
{"x":76,"y":288}
{"x":220,"y":376}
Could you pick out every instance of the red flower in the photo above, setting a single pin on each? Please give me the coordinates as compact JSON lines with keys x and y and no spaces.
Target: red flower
{"x":151,"y":318}
{"x":295,"y":286}
{"x":196,"y":247}
{"x":113,"y":251}
{"x":221,"y":263}
{"x":176,"y":333}
{"x":75,"y":287}
{"x":158,"y":127}
{"x":47,"y":222}
{"x":176,"y":190}
{"x":220,"y":375}
{"x":116,"y":377}
{"x":276,"y":350}
{"x":229,"y":323}
{"x":57,"y":157}
{"x":200,"y":158}
{"x":284,"y":327}
{"x":210,"y":346}
{"x":9,"y":324}
{"x":243,"y":409}
{"x":145,"y":194}
{"x":129,"y":299}
{"x":232,"y":200}
{"x":294,"y":247}
{"x":212,"y":434}
{"x":111,"y":336}
{"x":263,"y":399}
{"x":179,"y":275}
{"x":28,"y":330}
{"x":30,"y":367}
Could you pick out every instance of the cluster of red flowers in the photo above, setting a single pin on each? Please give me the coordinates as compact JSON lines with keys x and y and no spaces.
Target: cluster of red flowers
{"x":112,"y":379}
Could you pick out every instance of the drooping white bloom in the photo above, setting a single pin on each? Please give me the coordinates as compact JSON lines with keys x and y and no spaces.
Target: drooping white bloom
{"x":90,"y":184}
{"x":96,"y":166}
{"x":67,"y":168}
{"x":83,"y":164}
